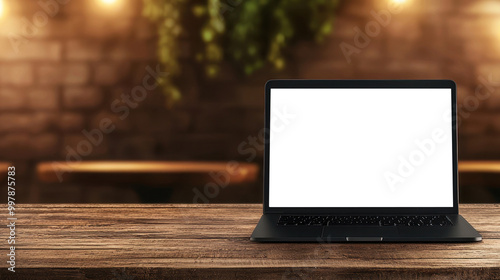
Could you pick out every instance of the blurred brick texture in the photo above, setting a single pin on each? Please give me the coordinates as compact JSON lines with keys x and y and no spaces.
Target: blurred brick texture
{"x":59,"y":75}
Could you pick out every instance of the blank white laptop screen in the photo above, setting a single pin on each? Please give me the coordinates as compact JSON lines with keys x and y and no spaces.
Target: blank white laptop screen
{"x":360,"y":148}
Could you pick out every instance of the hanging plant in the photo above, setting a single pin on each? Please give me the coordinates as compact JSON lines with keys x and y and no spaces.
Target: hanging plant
{"x":168,"y":16}
{"x":250,"y":33}
{"x":211,"y":33}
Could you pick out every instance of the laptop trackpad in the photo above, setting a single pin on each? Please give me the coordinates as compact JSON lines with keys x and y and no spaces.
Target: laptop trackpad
{"x":370,"y":234}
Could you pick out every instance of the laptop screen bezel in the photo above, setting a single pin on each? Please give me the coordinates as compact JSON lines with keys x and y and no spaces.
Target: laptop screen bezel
{"x":274,"y":84}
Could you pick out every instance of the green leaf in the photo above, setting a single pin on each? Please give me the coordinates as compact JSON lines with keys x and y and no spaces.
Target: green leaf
{"x":250,"y":33}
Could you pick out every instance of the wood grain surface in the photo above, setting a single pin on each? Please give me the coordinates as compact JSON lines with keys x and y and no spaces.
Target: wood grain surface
{"x":202,"y":241}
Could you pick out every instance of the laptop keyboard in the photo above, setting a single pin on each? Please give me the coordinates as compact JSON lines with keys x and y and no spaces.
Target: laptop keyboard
{"x":291,"y":220}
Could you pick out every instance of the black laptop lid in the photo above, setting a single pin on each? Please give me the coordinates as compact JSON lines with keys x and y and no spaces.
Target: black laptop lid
{"x":360,"y":146}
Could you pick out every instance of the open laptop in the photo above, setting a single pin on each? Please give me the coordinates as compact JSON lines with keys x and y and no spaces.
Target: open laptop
{"x":361,"y":161}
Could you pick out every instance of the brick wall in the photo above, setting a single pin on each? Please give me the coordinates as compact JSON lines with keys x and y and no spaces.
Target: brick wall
{"x":426,"y":40}
{"x":69,"y":62}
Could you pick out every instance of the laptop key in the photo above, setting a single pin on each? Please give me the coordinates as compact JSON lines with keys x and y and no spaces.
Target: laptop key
{"x":417,"y":221}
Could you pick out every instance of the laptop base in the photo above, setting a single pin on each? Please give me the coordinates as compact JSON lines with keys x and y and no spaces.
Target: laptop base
{"x":268,"y":230}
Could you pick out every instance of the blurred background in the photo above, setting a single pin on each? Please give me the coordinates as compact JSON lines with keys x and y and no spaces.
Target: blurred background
{"x":127,"y":101}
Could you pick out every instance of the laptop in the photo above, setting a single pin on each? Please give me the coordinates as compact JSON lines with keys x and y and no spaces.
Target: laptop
{"x":361,"y":161}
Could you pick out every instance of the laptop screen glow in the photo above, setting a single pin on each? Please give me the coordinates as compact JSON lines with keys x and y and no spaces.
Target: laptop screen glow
{"x":360,"y":148}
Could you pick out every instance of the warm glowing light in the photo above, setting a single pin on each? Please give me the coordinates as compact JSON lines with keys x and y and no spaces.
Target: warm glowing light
{"x":1,"y":8}
{"x":108,"y":1}
{"x":399,"y":1}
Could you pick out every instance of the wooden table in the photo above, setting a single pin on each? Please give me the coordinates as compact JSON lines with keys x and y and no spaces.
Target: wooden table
{"x":145,"y":172}
{"x":203,"y":241}
{"x":3,"y":170}
{"x":480,"y":166}
{"x":479,"y":180}
{"x":152,"y":180}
